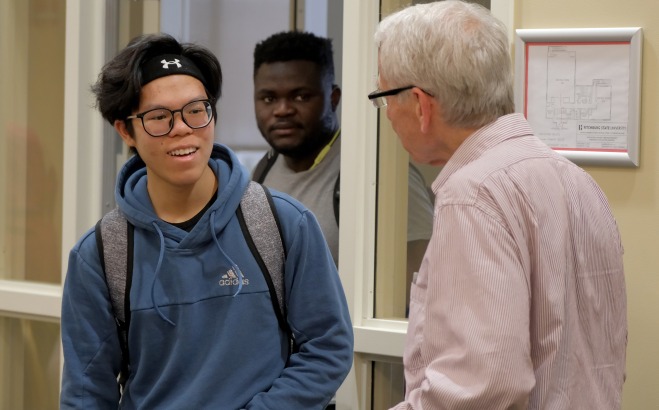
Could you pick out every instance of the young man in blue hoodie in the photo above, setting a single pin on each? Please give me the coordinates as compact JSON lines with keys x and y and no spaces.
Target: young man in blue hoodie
{"x":195,"y":340}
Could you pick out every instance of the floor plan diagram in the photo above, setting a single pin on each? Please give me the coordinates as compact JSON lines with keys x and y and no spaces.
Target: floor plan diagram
{"x":577,"y":95}
{"x":568,"y":100}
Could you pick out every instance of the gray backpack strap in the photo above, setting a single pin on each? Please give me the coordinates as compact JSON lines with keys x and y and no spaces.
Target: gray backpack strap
{"x":114,"y":239}
{"x":114,"y":246}
{"x":258,"y":218}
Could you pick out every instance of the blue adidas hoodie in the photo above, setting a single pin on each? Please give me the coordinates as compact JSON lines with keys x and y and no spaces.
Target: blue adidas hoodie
{"x":197,"y":340}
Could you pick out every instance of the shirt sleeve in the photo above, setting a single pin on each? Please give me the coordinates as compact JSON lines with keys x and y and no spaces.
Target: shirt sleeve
{"x":90,"y":344}
{"x":319,"y":319}
{"x":469,"y":318}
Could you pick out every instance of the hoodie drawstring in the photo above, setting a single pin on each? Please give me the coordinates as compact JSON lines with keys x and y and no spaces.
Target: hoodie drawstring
{"x":161,"y":256}
{"x":234,"y":267}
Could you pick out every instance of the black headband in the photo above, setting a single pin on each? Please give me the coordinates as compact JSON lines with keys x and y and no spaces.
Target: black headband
{"x":170,"y":64}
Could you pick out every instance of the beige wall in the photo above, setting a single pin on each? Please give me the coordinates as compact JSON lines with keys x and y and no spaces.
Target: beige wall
{"x":633,"y":193}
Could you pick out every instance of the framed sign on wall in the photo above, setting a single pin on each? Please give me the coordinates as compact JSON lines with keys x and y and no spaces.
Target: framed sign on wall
{"x":580,"y":91}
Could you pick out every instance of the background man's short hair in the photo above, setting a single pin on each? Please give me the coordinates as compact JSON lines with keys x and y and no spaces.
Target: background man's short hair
{"x":295,"y":45}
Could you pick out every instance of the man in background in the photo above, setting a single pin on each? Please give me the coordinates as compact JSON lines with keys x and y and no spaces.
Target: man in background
{"x":295,"y":102}
{"x":520,"y":301}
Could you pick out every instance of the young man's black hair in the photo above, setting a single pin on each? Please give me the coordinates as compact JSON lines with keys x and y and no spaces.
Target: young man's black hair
{"x":117,"y":89}
{"x":296,"y":45}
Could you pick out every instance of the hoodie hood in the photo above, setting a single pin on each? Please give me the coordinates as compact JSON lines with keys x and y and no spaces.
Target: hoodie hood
{"x":133,"y":200}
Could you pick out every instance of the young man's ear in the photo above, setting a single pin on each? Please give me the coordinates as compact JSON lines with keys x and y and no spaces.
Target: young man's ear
{"x":425,"y":107}
{"x":122,"y":130}
{"x":336,"y":96}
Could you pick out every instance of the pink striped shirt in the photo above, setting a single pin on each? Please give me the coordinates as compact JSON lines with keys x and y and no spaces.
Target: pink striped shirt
{"x":520,"y":300}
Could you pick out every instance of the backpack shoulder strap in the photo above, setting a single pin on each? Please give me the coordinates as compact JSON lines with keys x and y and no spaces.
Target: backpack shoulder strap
{"x":260,"y":224}
{"x":114,"y":239}
{"x":112,"y":242}
{"x":336,"y":197}
{"x":263,"y":166}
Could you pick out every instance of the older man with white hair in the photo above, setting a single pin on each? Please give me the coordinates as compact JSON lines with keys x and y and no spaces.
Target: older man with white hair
{"x":520,"y":300}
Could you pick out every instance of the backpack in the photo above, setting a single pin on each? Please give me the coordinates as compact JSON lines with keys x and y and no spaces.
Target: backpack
{"x":263,"y":167}
{"x":259,"y":222}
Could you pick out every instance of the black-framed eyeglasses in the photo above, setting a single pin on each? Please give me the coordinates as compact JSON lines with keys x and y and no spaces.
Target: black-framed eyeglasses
{"x":377,"y":96}
{"x":160,"y":121}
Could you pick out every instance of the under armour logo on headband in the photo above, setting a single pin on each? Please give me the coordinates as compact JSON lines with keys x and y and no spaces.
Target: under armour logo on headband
{"x":169,"y":64}
{"x":165,"y":63}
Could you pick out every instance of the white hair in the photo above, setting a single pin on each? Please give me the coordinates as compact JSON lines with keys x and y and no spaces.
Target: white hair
{"x":453,"y":50}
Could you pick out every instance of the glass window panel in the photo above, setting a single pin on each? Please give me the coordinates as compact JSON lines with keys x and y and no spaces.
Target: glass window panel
{"x":32,"y":38}
{"x":30,"y":357}
{"x":388,"y":384}
{"x":31,"y":138}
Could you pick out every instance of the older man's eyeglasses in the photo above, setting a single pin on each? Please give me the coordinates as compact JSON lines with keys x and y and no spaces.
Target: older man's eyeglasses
{"x":378,"y":99}
{"x":160,"y":121}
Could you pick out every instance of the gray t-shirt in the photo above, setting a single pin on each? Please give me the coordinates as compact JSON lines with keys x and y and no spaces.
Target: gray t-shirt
{"x":315,"y":189}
